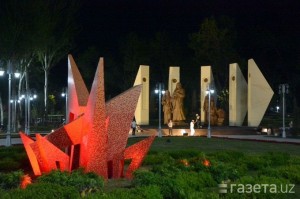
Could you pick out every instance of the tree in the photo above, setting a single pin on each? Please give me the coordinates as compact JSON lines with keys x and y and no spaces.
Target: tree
{"x":134,"y":53}
{"x":164,"y":52}
{"x":55,"y":22}
{"x":17,"y":38}
{"x":214,"y":45}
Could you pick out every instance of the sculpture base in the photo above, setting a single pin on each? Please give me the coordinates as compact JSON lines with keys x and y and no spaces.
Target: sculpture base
{"x":180,"y":123}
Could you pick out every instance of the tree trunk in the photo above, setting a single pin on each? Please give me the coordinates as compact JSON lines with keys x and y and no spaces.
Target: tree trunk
{"x":1,"y":113}
{"x":20,"y":91}
{"x":45,"y":92}
{"x":295,"y":126}
{"x":27,"y":98}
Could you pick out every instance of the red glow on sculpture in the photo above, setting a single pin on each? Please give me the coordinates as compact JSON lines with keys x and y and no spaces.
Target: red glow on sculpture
{"x":31,"y":154}
{"x":96,"y":135}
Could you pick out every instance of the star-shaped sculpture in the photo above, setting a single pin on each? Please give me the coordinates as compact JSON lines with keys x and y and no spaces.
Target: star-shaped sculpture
{"x":95,"y":137}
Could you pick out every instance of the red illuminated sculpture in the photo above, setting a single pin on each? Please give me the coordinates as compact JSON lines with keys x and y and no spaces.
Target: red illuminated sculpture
{"x":95,"y":138}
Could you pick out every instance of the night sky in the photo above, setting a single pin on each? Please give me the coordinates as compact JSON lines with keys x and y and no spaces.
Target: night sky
{"x":104,"y":21}
{"x":104,"y":24}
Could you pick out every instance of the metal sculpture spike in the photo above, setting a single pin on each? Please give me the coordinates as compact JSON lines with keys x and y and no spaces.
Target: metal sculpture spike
{"x":95,"y":137}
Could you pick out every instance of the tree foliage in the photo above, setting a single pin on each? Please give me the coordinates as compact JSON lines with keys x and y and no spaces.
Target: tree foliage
{"x":56,"y":28}
{"x":214,"y":45}
{"x":134,"y":53}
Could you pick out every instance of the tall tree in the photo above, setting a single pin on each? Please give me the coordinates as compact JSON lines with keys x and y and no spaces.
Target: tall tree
{"x":214,"y":45}
{"x":134,"y":53}
{"x":56,"y":23}
{"x":164,"y":52}
{"x":17,"y":38}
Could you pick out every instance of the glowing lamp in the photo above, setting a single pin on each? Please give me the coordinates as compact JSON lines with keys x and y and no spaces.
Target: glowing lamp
{"x":1,"y":71}
{"x":206,"y":163}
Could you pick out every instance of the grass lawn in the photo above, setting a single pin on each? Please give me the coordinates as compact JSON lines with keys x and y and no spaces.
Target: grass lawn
{"x":167,"y":144}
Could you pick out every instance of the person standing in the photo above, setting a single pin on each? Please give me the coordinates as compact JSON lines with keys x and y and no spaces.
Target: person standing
{"x":192,"y":124}
{"x":133,"y":127}
{"x":170,"y":125}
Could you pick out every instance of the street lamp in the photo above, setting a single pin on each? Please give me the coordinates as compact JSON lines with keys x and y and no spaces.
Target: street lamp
{"x":283,"y":89}
{"x":1,"y":71}
{"x":17,"y":74}
{"x":159,"y":90}
{"x":64,"y":93}
{"x":209,"y":91}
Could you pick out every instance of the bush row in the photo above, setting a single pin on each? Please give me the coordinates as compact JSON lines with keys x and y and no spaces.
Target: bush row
{"x":182,"y":174}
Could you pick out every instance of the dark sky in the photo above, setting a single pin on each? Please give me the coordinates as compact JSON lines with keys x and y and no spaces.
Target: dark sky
{"x":112,"y":18}
{"x":105,"y":23}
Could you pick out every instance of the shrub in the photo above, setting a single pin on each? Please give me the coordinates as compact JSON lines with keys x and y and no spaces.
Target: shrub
{"x":227,"y":156}
{"x":10,"y":180}
{"x":277,"y":159}
{"x":173,"y":182}
{"x":295,"y":160}
{"x":145,"y":192}
{"x":154,"y":159}
{"x":9,"y":164}
{"x":185,"y":154}
{"x":222,"y":172}
{"x":162,"y":178}
{"x":4,"y":194}
{"x":83,"y":182}
{"x":166,"y":169}
{"x":45,"y":191}
{"x":13,"y":158}
{"x":287,"y":172}
{"x":190,"y":182}
{"x":144,"y":178}
{"x":204,"y":194}
{"x":256,"y":162}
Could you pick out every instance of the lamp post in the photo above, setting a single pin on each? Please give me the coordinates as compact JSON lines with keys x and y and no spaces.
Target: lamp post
{"x":17,"y":74}
{"x":209,"y":91}
{"x":64,"y":94}
{"x":159,"y":90}
{"x":283,"y":89}
{"x":31,"y":96}
{"x":1,"y":113}
{"x":1,"y":108}
{"x":14,"y":102}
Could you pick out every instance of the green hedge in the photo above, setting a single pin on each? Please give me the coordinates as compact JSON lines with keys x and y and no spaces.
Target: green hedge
{"x":177,"y":174}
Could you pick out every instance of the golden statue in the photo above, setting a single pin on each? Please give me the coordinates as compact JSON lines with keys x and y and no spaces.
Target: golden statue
{"x":213,"y":111}
{"x":177,"y":102}
{"x":167,"y":106}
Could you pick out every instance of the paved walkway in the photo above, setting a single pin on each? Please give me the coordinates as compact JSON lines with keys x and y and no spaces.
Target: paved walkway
{"x":14,"y":141}
{"x":238,"y":133}
{"x":264,"y":138}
